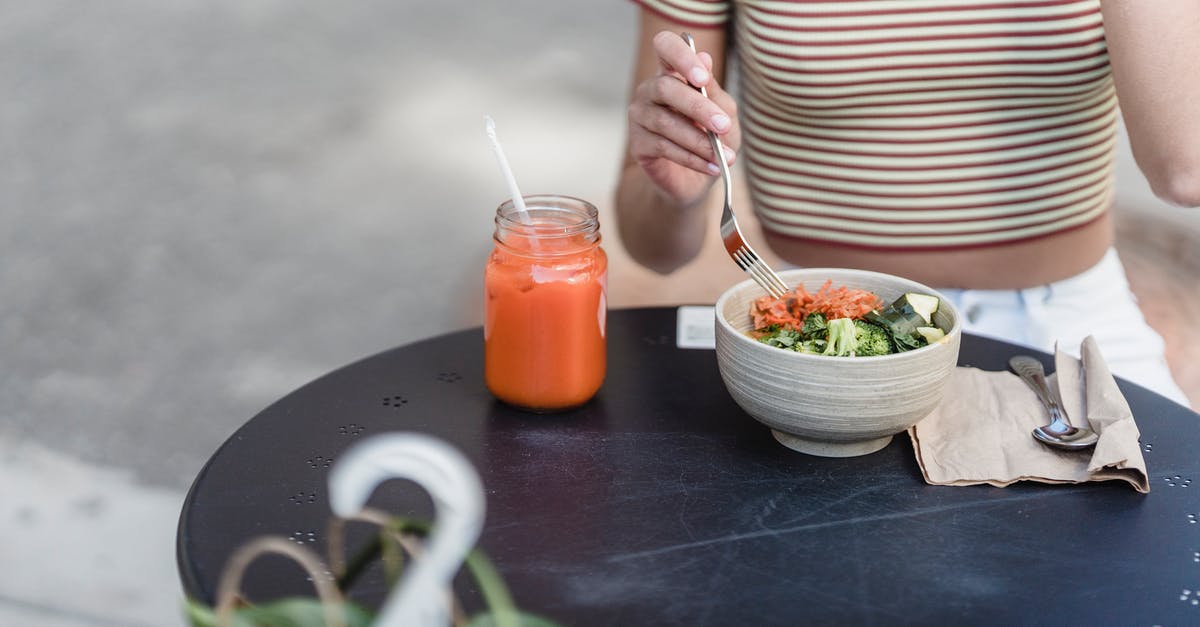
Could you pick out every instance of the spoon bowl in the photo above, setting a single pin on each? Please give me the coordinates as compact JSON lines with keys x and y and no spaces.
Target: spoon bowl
{"x":1060,"y":433}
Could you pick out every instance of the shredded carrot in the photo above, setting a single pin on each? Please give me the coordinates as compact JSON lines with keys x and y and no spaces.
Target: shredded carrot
{"x":789,"y":311}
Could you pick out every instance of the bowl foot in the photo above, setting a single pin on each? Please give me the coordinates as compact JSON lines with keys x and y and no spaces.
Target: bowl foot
{"x":822,"y":448}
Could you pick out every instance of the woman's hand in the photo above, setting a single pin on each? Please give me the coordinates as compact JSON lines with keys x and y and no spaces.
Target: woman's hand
{"x":668,"y":118}
{"x":663,"y":194}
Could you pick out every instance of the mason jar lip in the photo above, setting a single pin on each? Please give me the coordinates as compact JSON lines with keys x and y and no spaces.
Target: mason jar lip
{"x":587,"y":217}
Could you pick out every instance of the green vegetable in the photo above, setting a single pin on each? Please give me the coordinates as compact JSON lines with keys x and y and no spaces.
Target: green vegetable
{"x":851,"y":338}
{"x":872,"y":339}
{"x":901,"y":323}
{"x":924,"y":305}
{"x":816,"y":327}
{"x":793,"y":340}
{"x":783,"y":338}
{"x":931,"y":334}
{"x":843,"y":338}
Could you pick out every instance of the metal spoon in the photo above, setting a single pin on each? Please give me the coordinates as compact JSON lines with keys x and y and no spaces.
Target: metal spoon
{"x":1059,"y":433}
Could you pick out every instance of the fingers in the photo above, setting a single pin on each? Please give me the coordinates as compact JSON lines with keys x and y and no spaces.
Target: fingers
{"x":676,"y":57}
{"x":657,"y":131}
{"x":673,"y":94}
{"x":649,"y":148}
{"x":728,"y":106}
{"x":669,"y":119}
{"x":690,"y":70}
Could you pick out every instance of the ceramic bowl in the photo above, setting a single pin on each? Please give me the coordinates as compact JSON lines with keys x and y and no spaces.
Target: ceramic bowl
{"x":833,"y":406}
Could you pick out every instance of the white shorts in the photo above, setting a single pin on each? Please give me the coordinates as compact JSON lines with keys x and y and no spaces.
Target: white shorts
{"x":1096,"y":302}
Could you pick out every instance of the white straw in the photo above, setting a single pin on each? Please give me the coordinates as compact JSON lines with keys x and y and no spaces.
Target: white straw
{"x":518,"y":200}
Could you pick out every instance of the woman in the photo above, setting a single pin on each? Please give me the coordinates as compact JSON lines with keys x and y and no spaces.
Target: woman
{"x":966,"y":144}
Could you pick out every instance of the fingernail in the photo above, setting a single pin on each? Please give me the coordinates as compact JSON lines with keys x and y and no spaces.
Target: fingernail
{"x":720,"y":122}
{"x":728,"y":153}
{"x":699,"y":75}
{"x":714,"y":168}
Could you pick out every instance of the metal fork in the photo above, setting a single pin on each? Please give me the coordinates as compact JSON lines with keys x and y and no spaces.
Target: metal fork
{"x":735,"y":244}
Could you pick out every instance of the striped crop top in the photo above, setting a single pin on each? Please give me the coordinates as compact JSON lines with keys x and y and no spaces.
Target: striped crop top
{"x":920,"y":124}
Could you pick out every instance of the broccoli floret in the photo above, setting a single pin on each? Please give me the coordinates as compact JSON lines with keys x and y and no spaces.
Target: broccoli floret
{"x":848,"y":337}
{"x":872,"y":339}
{"x":843,"y":340}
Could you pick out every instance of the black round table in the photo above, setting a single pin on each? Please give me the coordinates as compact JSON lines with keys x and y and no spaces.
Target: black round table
{"x":661,"y":503}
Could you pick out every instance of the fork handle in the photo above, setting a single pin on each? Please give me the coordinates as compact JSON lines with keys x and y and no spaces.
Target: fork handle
{"x":1031,"y":371}
{"x":722,"y":161}
{"x":692,"y":44}
{"x":712,"y":137}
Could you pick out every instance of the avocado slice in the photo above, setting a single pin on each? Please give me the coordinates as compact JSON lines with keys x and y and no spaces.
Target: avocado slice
{"x":924,"y":304}
{"x":931,"y":334}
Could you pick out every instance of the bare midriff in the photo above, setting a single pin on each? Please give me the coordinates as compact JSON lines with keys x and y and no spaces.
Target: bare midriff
{"x":544,"y":327}
{"x":1011,"y":266}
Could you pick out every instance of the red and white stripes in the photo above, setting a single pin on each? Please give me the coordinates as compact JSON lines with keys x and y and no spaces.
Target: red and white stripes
{"x":921,"y":123}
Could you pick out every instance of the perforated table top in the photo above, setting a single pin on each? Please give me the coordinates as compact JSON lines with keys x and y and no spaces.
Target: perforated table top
{"x":660,"y":502}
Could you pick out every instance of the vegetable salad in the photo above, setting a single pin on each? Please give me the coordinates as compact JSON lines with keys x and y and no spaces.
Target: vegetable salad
{"x":845,"y":322}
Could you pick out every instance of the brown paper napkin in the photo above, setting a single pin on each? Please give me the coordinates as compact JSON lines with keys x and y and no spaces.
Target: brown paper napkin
{"x":980,"y":433}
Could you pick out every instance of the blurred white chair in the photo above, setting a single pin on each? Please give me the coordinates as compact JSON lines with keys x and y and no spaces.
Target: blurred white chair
{"x":420,"y":597}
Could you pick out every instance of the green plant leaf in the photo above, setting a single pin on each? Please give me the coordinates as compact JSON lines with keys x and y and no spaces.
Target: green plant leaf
{"x":295,"y":612}
{"x":307,"y":612}
{"x":522,"y":619}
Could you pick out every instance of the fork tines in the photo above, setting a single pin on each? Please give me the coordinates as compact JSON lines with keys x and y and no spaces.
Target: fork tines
{"x":761,"y":272}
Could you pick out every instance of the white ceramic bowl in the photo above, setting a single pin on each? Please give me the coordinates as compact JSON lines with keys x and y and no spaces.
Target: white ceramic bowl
{"x":833,"y":406}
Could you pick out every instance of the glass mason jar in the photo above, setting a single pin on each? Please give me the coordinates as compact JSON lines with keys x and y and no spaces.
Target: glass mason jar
{"x":545,"y":306}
